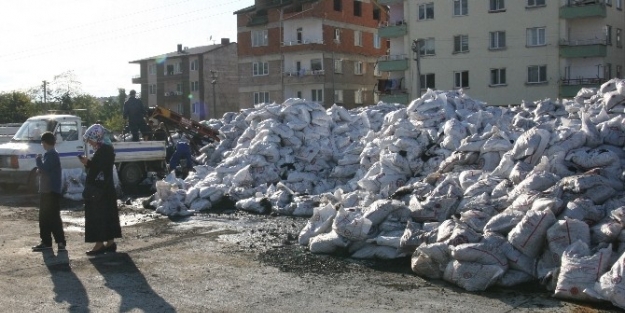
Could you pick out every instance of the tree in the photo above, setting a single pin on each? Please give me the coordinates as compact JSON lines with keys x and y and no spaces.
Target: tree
{"x":15,"y":107}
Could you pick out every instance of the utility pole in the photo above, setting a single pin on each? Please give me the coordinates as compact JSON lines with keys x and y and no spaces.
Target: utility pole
{"x":416,"y":47}
{"x":45,"y":94}
{"x":213,"y":82}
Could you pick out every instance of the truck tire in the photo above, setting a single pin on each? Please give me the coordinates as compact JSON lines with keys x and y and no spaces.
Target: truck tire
{"x":131,"y":174}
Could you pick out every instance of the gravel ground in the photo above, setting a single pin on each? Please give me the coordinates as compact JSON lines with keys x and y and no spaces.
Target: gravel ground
{"x":221,"y":262}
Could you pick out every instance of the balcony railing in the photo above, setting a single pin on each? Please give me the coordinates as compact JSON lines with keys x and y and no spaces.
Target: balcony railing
{"x":393,"y":57}
{"x":583,"y":9}
{"x":173,"y":93}
{"x":303,"y":72}
{"x":302,"y":42}
{"x":582,"y":81}
{"x":583,"y":42}
{"x":392,"y":29}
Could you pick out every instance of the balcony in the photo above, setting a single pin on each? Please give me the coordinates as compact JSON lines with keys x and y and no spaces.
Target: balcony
{"x":392,"y":63}
{"x":583,"y":9}
{"x":137,"y":79}
{"x":301,"y":42}
{"x":389,"y":2}
{"x":295,"y":77}
{"x":392,"y":90}
{"x":570,"y":87}
{"x":583,"y":48}
{"x":393,"y":29}
{"x":258,"y":20}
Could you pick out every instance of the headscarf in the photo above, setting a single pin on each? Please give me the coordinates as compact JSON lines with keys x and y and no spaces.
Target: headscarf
{"x":97,"y":133}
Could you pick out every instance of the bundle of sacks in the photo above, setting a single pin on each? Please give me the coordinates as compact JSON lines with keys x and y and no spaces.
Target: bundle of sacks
{"x":475,"y":194}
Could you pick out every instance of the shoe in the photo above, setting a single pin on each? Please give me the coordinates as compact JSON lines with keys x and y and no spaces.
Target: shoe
{"x":96,"y":252}
{"x":62,"y":247}
{"x":41,"y":247}
{"x":111,"y":248}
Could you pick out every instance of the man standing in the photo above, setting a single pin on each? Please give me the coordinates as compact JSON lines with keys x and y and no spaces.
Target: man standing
{"x":134,"y":115}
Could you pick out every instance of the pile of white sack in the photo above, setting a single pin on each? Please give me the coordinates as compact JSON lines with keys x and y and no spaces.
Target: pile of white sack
{"x":477,"y":195}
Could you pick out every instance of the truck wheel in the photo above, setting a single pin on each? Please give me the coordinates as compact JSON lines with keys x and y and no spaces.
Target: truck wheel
{"x":131,"y":174}
{"x":33,"y":181}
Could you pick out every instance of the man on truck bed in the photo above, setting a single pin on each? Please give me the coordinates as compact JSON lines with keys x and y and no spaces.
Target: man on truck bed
{"x":134,"y":114}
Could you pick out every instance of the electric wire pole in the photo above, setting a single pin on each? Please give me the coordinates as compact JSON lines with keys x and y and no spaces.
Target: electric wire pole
{"x":213,"y":82}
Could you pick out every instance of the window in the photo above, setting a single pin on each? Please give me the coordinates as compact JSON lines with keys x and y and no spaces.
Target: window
{"x":461,"y":7}
{"x":497,"y":5}
{"x":261,"y":97}
{"x":337,"y":35}
{"x":195,"y":86}
{"x":619,"y":38}
{"x":358,"y":38}
{"x":179,"y":108}
{"x":619,"y":71}
{"x":299,"y":31}
{"x":608,"y":3}
{"x":427,"y":81}
{"x":608,"y":35}
{"x":196,"y":108}
{"x":427,"y":47}
{"x":178,"y":68}
{"x":152,"y":69}
{"x":377,"y":42}
{"x":535,"y":3}
{"x":461,"y":43}
{"x":338,"y":96}
{"x":317,"y":95}
{"x":357,"y":8}
{"x":260,"y":69}
{"x":152,"y":89}
{"x":359,"y":68}
{"x":299,"y":94}
{"x":338,"y":66}
{"x":358,"y":97}
{"x":376,"y":14}
{"x":316,"y":65}
{"x":179,"y":88}
{"x":536,"y":37}
{"x":259,"y":38}
{"x":497,"y":76}
{"x":497,"y":40}
{"x":607,"y":71}
{"x":338,"y":5}
{"x":537,"y":74}
{"x":194,"y":65}
{"x":68,"y":131}
{"x":426,"y":11}
{"x":461,"y":79}
{"x":619,"y":4}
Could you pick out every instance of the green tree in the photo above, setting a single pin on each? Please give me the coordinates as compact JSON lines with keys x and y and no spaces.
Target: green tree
{"x":16,"y":107}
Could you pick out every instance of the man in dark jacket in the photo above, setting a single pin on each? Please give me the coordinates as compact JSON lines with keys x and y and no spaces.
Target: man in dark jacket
{"x":134,"y":115}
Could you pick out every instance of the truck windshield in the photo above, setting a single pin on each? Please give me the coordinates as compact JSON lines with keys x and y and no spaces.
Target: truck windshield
{"x":32,"y":130}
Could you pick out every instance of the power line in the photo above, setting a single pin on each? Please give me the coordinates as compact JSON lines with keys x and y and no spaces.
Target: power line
{"x":95,"y":38}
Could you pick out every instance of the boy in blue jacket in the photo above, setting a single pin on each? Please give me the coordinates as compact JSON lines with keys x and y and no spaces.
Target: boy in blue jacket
{"x":49,"y":170}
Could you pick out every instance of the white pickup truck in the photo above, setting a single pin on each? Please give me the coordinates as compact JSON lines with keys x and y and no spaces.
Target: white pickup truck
{"x":17,"y":157}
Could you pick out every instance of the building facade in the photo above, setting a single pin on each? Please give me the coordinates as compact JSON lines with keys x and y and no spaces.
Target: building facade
{"x":503,"y":52}
{"x":199,"y":83}
{"x":320,"y":50}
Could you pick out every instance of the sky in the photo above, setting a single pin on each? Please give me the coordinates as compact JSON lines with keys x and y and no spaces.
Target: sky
{"x":96,"y":39}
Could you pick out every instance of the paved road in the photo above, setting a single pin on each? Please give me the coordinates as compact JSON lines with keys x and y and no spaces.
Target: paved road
{"x":218,"y":263}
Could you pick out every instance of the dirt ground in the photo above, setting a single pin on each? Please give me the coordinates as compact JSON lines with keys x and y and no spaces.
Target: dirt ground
{"x":229,"y":262}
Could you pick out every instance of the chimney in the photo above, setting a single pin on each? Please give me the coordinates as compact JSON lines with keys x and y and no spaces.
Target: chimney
{"x":179,"y":48}
{"x":225,"y":41}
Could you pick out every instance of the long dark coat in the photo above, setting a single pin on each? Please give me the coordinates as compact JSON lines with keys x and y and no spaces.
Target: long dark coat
{"x":102,"y":217}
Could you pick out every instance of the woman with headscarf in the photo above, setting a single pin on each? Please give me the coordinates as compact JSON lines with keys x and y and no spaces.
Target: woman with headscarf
{"x":101,"y":217}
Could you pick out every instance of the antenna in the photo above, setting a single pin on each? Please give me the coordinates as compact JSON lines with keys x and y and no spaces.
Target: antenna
{"x":211,"y":39}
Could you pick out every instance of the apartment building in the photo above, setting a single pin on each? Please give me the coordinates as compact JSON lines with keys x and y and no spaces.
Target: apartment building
{"x":320,"y":50}
{"x":503,"y":52}
{"x":199,"y":83}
